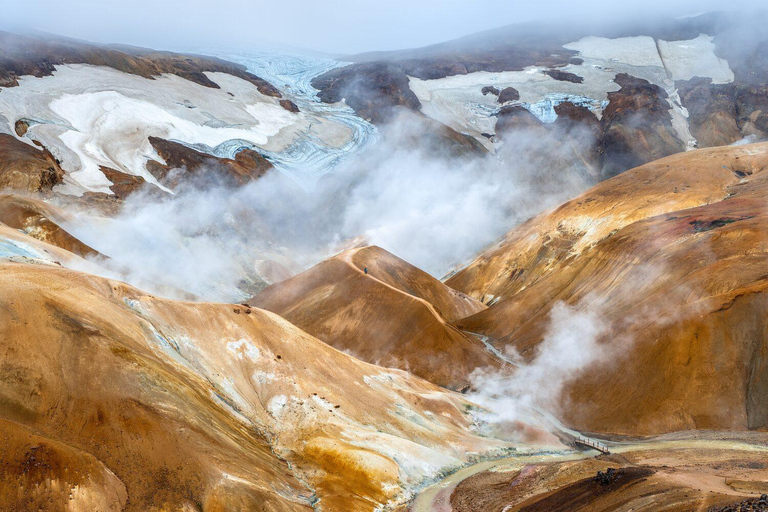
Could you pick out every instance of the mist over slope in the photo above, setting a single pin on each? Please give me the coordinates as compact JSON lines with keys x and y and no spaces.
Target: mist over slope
{"x":668,"y":259}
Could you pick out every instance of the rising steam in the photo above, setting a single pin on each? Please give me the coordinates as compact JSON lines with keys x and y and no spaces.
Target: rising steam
{"x":432,"y":210}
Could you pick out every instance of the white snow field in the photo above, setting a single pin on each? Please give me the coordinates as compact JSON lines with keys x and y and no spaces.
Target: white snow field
{"x":458,"y":100}
{"x":91,"y":116}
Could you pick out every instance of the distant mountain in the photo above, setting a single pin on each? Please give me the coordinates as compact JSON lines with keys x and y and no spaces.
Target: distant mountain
{"x":654,"y":87}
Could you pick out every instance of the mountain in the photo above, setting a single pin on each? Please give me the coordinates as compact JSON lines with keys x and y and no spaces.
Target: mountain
{"x":604,"y":354}
{"x":649,"y":88}
{"x":669,"y":257}
{"x":385,"y":311}
{"x":117,"y":400}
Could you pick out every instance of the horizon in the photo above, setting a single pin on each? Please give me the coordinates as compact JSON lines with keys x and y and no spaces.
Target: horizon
{"x":344,"y":30}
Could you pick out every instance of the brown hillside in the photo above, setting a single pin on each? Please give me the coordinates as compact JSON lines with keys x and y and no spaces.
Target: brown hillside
{"x":41,"y":221}
{"x":671,"y":256}
{"x":396,"y":315}
{"x":111,"y":399}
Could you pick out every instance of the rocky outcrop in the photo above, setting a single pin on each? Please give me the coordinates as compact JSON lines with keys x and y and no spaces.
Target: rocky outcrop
{"x":563,"y":76}
{"x":26,"y":55}
{"x":26,"y":168}
{"x":20,"y":127}
{"x":190,"y":165}
{"x":289,"y":106}
{"x":636,"y":126}
{"x":372,"y":90}
{"x":508,"y":94}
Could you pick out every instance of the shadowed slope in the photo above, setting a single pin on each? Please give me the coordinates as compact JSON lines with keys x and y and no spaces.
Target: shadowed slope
{"x":26,"y":168}
{"x":41,"y":221}
{"x":395,"y":315}
{"x":672,"y":256}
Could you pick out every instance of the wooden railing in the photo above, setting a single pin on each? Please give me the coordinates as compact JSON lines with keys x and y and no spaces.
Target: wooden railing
{"x":592,"y":444}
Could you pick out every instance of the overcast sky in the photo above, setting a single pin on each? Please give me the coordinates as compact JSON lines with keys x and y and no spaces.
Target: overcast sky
{"x":332,"y":26}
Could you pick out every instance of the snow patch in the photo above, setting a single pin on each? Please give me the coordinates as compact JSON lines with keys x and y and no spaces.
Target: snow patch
{"x":638,"y":51}
{"x":695,"y":57}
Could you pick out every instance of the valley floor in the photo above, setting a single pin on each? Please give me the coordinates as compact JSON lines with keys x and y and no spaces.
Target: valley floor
{"x":681,"y":471}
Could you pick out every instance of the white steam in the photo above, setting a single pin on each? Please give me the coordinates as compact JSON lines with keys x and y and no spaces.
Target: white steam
{"x":430,"y":209}
{"x":570,"y":346}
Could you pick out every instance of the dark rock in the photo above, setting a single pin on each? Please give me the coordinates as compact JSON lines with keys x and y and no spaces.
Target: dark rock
{"x":489,"y":89}
{"x":749,"y":505}
{"x":606,"y":478}
{"x":289,"y":106}
{"x":508,"y":94}
{"x":700,"y":226}
{"x":247,"y":166}
{"x":563,"y":76}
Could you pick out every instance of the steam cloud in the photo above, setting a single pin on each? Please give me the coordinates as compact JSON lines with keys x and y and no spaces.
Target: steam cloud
{"x":598,"y":329}
{"x":434,"y":211}
{"x":570,"y":345}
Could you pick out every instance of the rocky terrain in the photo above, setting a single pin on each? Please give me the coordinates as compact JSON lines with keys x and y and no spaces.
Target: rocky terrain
{"x":656,"y":86}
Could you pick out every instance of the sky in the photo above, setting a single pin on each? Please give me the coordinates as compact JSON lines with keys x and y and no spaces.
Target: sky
{"x":328,"y":26}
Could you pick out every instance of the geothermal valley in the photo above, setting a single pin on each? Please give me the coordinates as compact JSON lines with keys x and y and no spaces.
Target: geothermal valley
{"x":521,"y":270}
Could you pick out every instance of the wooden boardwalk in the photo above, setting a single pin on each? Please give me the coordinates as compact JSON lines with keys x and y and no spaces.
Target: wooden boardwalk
{"x":594,"y":445}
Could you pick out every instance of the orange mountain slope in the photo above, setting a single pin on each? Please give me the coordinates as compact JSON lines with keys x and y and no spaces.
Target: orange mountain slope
{"x":671,"y":257}
{"x":42,"y":221}
{"x":113,"y":399}
{"x":394,"y":315}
